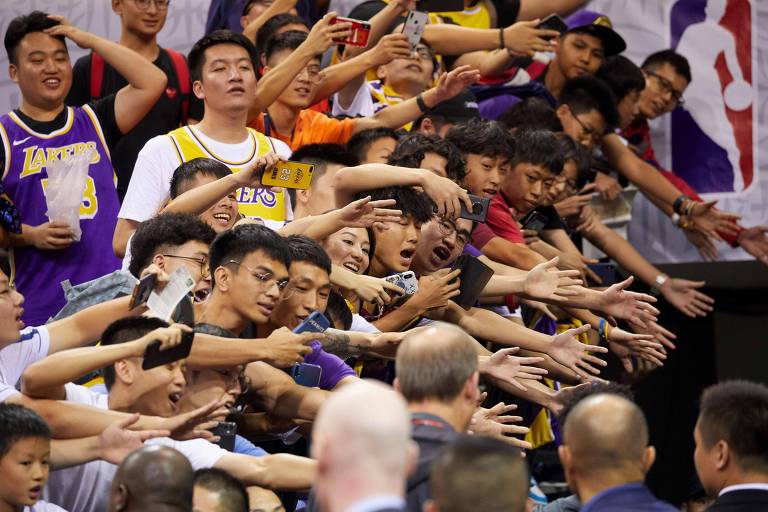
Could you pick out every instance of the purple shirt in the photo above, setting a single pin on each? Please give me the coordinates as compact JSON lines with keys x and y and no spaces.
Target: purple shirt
{"x":334,"y":369}
{"x":37,"y":273}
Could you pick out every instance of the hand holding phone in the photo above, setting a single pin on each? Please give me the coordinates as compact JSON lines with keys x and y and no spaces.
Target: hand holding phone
{"x":288,"y":174}
{"x":226,"y":431}
{"x":414,"y":27}
{"x":143,"y":290}
{"x":474,"y":276}
{"x":405,"y":280}
{"x":553,"y":22}
{"x":154,"y":356}
{"x":306,"y":374}
{"x":316,"y":322}
{"x":479,"y":209}
{"x":360,"y":31}
{"x":535,"y":221}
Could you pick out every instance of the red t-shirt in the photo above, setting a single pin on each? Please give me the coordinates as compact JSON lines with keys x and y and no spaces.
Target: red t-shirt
{"x":501,"y":221}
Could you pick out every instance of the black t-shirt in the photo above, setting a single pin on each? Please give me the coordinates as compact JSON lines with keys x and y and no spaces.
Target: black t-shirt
{"x":165,"y":115}
{"x":554,"y":221}
{"x":104,"y":108}
{"x":506,"y":11}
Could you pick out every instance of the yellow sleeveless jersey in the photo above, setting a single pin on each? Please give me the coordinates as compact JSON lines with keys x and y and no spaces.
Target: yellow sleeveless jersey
{"x":259,"y":203}
{"x":473,"y":17}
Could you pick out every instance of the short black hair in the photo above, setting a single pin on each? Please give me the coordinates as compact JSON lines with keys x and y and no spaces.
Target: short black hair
{"x":196,"y":57}
{"x":233,"y":496}
{"x":237,"y":243}
{"x":413,"y":203}
{"x":621,"y":75}
{"x":361,"y":142}
{"x":531,"y":114}
{"x":581,"y":156}
{"x":588,"y":93}
{"x":187,"y":172}
{"x":412,"y":148}
{"x":248,"y":5}
{"x":338,"y":311}
{"x":737,"y":412}
{"x":671,"y":57}
{"x":274,"y":24}
{"x":303,"y":249}
{"x":538,"y":147}
{"x":595,"y":388}
{"x":165,"y":230}
{"x":286,"y":41}
{"x":17,"y":423}
{"x":123,"y":330}
{"x":320,"y":155}
{"x":20,"y":26}
{"x":479,"y":137}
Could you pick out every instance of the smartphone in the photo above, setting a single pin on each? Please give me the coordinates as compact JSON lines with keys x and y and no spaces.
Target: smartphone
{"x":154,"y":357}
{"x":535,"y":221}
{"x":226,"y":430}
{"x":288,"y":174}
{"x":361,"y":31}
{"x":474,"y":276}
{"x":305,"y":374}
{"x":414,"y":26}
{"x":143,"y":290}
{"x":405,"y":280}
{"x":316,"y":322}
{"x":479,"y":209}
{"x":553,"y":22}
{"x":605,"y":271}
{"x":440,"y":5}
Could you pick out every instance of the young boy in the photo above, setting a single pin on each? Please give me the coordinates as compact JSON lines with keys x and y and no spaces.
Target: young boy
{"x":25,"y":452}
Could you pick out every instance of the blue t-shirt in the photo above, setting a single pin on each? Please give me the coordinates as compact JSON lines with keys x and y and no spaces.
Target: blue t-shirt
{"x":245,"y":447}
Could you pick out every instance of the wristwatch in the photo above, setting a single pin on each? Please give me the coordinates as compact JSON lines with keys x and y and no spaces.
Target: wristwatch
{"x":658,"y":283}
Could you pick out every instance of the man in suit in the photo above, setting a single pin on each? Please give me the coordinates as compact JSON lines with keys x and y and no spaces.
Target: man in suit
{"x":731,"y":454}
{"x":361,"y":441}
{"x":605,"y":455}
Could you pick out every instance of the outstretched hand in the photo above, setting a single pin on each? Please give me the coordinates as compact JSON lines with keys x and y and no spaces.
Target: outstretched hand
{"x":617,"y":301}
{"x":571,"y":353}
{"x":364,"y":213}
{"x":116,"y":441}
{"x":495,"y":422}
{"x":754,"y":240}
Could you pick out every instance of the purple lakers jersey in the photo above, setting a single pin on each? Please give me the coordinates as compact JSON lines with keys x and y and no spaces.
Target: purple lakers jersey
{"x":37,"y":274}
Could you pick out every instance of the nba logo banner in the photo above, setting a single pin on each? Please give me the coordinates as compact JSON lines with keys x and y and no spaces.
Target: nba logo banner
{"x":713,"y":134}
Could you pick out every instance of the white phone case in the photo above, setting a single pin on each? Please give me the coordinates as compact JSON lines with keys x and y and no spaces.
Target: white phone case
{"x":414,"y":26}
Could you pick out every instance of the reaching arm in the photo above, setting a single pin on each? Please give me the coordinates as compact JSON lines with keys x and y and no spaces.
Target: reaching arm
{"x":280,"y":471}
{"x":277,"y":7}
{"x":146,"y":81}
{"x":281,"y":396}
{"x":362,"y":213}
{"x":489,"y":64}
{"x":533,"y":9}
{"x":513,"y":255}
{"x":522,"y":38}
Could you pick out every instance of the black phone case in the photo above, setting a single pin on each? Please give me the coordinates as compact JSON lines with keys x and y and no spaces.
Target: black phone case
{"x":440,"y":5}
{"x":479,"y":209}
{"x":143,"y":290}
{"x":474,"y":276}
{"x":226,"y":430}
{"x":154,"y":357}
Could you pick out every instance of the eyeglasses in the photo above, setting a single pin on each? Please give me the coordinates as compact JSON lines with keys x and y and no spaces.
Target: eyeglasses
{"x":232,"y":377}
{"x":448,"y":228}
{"x":570,"y":184}
{"x":423,"y":53}
{"x":161,"y":5}
{"x":314,"y":73}
{"x":205,"y":271}
{"x":587,"y":131}
{"x":266,"y":279}
{"x":667,"y":88}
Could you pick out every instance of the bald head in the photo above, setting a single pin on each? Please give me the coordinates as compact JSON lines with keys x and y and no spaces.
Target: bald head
{"x":154,"y":478}
{"x":435,"y":363}
{"x":606,"y":432}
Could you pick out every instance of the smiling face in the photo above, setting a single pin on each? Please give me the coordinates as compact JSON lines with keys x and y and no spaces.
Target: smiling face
{"x":525,"y":185}
{"x":349,"y":248}
{"x":579,"y":54}
{"x":43,"y":71}
{"x":309,"y":289}
{"x":228,"y":81}
{"x":192,"y":255}
{"x":484,"y":174}
{"x":396,"y":244}
{"x":300,"y":94}
{"x":441,"y":242}
{"x":661,"y":88}
{"x":146,"y":23}
{"x":223,"y":215}
{"x":11,"y":311}
{"x":25,"y":470}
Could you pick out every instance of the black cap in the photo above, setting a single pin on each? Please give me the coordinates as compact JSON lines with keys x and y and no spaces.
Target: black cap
{"x":461,"y":107}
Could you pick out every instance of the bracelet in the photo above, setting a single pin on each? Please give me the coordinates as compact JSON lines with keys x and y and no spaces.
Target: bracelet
{"x":420,"y":102}
{"x":603,"y":330}
{"x":675,"y":218}
{"x":660,"y":280}
{"x":677,"y":205}
{"x":502,"y":44}
{"x":688,"y":207}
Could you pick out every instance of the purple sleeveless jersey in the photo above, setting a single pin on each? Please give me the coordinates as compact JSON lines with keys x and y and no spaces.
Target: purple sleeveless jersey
{"x":37,"y":274}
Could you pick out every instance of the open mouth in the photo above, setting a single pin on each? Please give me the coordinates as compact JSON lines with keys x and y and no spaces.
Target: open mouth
{"x":490,"y":192}
{"x":407,"y":254}
{"x":19,"y":321}
{"x":351,"y":266}
{"x":302,"y":90}
{"x":266,"y":308}
{"x":442,"y":252}
{"x":52,"y":82}
{"x":223,"y":218}
{"x":174,"y":399}
{"x":236,"y":89}
{"x":34,"y":492}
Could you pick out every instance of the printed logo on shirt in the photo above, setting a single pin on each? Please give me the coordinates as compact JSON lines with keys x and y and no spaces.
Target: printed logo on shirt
{"x":35,"y":157}
{"x":171,"y":92}
{"x":22,"y":141}
{"x":256,"y":196}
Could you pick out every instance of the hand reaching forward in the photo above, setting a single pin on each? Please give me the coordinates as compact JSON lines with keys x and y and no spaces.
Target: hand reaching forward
{"x":571,"y":353}
{"x":494,"y":422}
{"x":523,"y":38}
{"x":684,"y":295}
{"x":372,"y":289}
{"x":446,"y":194}
{"x":116,"y":441}
{"x":504,"y":366}
{"x":617,"y":301}
{"x":659,"y":333}
{"x":323,"y":34}
{"x":452,"y":83}
{"x":364,"y":213}
{"x":251,"y":175}
{"x":287,"y":348}
{"x":196,"y":423}
{"x":545,"y":282}
{"x":754,"y":240}
{"x":708,"y":221}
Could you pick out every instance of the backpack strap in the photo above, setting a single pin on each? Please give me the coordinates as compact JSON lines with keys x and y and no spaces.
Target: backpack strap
{"x":97,"y":75}
{"x":182,"y":73}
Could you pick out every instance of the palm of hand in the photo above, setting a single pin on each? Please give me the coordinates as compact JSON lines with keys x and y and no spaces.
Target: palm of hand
{"x":541,"y":283}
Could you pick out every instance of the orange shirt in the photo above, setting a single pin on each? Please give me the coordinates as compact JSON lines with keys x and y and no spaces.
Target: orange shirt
{"x":312,"y":127}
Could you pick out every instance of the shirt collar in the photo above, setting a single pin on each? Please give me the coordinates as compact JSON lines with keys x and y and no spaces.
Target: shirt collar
{"x":745,"y":487}
{"x":380,"y":502}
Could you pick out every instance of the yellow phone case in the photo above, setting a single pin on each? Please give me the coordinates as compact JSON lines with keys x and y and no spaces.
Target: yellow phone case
{"x":288,"y":175}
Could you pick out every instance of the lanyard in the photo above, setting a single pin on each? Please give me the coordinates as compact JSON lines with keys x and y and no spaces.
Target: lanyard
{"x":267,"y":124}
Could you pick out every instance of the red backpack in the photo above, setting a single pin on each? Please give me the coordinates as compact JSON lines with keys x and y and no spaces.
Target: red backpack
{"x":179,"y":67}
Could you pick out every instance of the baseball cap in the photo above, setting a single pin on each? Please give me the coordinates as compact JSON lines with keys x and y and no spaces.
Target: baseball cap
{"x":461,"y":107}
{"x":598,"y":25}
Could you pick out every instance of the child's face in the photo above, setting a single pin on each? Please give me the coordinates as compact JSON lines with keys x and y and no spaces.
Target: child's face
{"x":484,"y":174}
{"x":396,"y":244}
{"x":629,"y":108}
{"x":563,"y":185}
{"x":10,"y":312}
{"x":525,"y":185}
{"x":25,"y":470}
{"x":579,"y":54}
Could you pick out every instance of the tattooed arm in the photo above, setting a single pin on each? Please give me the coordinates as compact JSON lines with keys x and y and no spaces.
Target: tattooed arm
{"x":353,"y":343}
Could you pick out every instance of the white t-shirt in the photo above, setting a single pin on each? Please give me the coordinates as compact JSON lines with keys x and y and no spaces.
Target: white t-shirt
{"x":33,"y":345}
{"x":362,"y":104}
{"x":85,"y":488}
{"x":360,"y":324}
{"x":42,"y":506}
{"x":150,"y":183}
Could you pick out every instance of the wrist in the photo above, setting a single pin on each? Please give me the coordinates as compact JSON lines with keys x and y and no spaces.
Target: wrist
{"x":431,"y":97}
{"x":661,"y":283}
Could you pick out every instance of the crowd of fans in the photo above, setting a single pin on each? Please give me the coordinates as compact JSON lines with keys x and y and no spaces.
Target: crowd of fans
{"x":455,"y":175}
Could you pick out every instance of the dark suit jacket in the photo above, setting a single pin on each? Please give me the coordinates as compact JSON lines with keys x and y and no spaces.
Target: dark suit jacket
{"x":431,"y":434}
{"x":741,"y":501}
{"x":634,"y":497}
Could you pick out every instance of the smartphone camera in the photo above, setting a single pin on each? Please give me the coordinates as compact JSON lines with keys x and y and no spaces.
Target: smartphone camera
{"x":479,"y":210}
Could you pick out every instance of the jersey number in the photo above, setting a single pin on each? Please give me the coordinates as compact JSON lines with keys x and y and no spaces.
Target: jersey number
{"x":90,"y":204}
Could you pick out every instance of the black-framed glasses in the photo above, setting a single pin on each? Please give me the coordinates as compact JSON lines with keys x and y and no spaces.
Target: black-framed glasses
{"x":162,"y":5}
{"x":314,"y":73}
{"x":667,"y":88}
{"x":205,"y":271}
{"x":423,"y":53}
{"x":447,"y":228}
{"x":588,"y":131}
{"x":266,"y":279}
